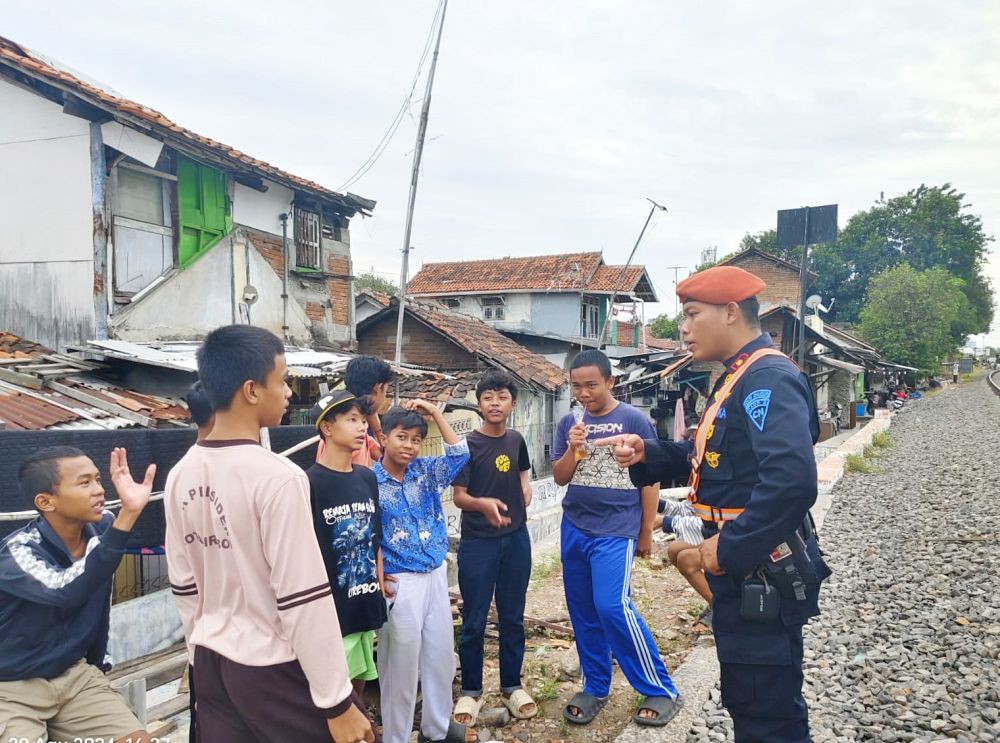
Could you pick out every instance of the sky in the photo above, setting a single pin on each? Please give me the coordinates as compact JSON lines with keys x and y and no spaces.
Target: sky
{"x":551,"y":123}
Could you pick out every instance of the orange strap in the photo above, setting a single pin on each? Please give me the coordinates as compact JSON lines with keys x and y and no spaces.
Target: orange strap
{"x":707,"y":426}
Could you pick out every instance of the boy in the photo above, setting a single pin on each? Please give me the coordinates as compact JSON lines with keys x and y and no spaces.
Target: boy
{"x":55,"y":601}
{"x":679,"y":517}
{"x":494,"y":556}
{"x":245,"y":569}
{"x":348,"y":526}
{"x":367,"y":378}
{"x":416,"y":642}
{"x":201,"y":410}
{"x":603,"y":515}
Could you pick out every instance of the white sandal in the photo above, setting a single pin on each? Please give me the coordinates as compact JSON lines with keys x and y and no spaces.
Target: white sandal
{"x":470,"y":706}
{"x":518,"y":699}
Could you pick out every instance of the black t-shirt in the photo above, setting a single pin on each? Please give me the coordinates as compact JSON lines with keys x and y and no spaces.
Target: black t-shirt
{"x":492,"y":473}
{"x":348,"y":524}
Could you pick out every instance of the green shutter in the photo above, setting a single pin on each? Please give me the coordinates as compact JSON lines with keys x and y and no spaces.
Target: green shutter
{"x":203,"y":208}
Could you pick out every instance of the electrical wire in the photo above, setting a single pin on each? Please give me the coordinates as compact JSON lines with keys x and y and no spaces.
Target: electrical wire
{"x":404,"y":109}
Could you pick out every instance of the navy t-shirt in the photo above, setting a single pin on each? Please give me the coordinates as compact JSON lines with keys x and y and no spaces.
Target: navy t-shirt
{"x":601,"y":500}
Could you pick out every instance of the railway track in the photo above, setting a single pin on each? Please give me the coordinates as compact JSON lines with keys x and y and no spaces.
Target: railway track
{"x":994,"y":381}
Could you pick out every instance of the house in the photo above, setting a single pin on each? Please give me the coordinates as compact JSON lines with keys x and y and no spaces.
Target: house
{"x":117,"y":223}
{"x":554,"y":305}
{"x":367,"y":303}
{"x":438,"y":338}
{"x":782,"y":278}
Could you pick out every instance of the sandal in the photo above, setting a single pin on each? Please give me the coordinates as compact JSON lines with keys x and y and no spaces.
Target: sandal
{"x":455,"y":734}
{"x":664,"y":707}
{"x":518,"y":699}
{"x":589,"y":706}
{"x":470,"y":706}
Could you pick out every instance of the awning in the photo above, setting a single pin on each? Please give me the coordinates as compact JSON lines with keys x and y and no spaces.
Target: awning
{"x":887,"y":365}
{"x":837,"y":364}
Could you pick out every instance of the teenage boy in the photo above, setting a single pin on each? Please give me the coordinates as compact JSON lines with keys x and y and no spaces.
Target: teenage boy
{"x":494,"y":557}
{"x":605,"y":523}
{"x":201,"y":411}
{"x":245,"y":569}
{"x":348,"y":526}
{"x":368,"y":378}
{"x":417,"y":642}
{"x":55,"y":601}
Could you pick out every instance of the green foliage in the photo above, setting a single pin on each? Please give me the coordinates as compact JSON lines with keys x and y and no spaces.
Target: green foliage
{"x":767,"y":241}
{"x":881,"y":440}
{"x":857,"y":464}
{"x":375,"y":283}
{"x":664,"y":327}
{"x":928,"y":227}
{"x":916,"y":317}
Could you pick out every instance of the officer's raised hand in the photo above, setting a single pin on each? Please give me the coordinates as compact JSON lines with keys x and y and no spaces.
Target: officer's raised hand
{"x":628,"y":448}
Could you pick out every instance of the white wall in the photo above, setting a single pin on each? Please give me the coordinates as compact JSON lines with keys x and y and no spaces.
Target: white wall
{"x":260,"y":210}
{"x":46,"y":217}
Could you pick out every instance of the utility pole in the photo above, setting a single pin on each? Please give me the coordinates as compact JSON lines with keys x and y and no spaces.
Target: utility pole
{"x":803,"y":281}
{"x":621,"y":278}
{"x":414,"y":176}
{"x":677,"y":307}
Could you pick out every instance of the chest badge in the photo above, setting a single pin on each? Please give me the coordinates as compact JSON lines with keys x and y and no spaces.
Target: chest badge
{"x":712,"y":458}
{"x":711,"y":432}
{"x":503,"y":463}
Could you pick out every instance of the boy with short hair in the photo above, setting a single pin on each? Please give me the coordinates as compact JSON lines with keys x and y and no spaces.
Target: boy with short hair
{"x":368,"y":378}
{"x":348,"y":525}
{"x":200,"y":408}
{"x":416,"y":643}
{"x":494,"y":557}
{"x":606,"y":522}
{"x":245,"y":569}
{"x":55,"y":600}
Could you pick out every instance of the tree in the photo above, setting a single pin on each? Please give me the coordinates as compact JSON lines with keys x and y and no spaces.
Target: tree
{"x":664,"y":327}
{"x":928,"y":227}
{"x":767,"y":241}
{"x":916,"y":317}
{"x":375,"y":283}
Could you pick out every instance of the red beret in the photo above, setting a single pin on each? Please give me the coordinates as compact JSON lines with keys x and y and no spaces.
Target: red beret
{"x":720,"y":285}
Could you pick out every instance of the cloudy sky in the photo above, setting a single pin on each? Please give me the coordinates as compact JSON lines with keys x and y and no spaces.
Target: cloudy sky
{"x":552,"y":122}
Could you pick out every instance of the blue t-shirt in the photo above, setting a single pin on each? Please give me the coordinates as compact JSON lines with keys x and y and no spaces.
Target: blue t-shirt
{"x":601,"y":500}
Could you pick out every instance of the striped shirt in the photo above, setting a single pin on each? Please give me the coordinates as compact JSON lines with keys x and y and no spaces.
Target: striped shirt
{"x":684,"y":523}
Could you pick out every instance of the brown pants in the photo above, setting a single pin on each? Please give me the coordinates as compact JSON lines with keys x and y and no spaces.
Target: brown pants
{"x":256,"y":704}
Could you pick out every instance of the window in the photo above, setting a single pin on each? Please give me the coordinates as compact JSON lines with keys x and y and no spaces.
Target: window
{"x":142,"y":226}
{"x":203,"y":209}
{"x":492,"y":308}
{"x":590,"y":317}
{"x":307,"y":239}
{"x":451,"y":303}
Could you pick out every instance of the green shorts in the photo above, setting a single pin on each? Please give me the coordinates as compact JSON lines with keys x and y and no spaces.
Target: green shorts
{"x":360,"y":651}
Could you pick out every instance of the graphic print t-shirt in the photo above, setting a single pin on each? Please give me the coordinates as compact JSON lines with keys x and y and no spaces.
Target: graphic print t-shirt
{"x":494,"y":471}
{"x":348,"y":526}
{"x":601,"y":500}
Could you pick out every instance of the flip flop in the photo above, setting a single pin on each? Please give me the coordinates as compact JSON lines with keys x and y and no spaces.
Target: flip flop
{"x":519,"y":698}
{"x":589,"y":706}
{"x":664,"y":707}
{"x":455,"y":734}
{"x":470,"y":706}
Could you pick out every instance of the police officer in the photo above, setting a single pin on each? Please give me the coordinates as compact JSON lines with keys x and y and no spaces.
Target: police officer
{"x":753,"y":480}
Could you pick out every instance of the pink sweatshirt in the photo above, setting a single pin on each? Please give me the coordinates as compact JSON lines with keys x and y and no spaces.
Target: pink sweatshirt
{"x":245,"y":567}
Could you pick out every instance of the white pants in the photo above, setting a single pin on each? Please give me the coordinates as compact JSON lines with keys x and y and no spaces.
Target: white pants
{"x":417,"y":643}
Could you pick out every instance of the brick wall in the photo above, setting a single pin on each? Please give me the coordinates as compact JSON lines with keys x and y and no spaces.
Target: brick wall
{"x":271,"y":248}
{"x":339,"y":289}
{"x":782,"y":282}
{"x":421,"y":345}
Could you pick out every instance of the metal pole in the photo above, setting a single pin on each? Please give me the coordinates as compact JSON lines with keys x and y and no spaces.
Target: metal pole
{"x":418,"y":151}
{"x":621,"y":278}
{"x":677,"y":307}
{"x":803,"y":277}
{"x":284,"y":278}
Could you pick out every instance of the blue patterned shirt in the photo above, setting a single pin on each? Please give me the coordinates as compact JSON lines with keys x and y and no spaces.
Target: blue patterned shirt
{"x":414,"y":532}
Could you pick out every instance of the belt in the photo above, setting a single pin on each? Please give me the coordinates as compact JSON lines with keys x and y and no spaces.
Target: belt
{"x":716,"y":515}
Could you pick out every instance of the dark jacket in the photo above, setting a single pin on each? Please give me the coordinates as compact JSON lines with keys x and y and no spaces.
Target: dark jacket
{"x":54,"y":611}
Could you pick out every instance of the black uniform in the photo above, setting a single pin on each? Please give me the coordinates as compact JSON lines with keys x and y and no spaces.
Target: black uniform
{"x":759,"y":458}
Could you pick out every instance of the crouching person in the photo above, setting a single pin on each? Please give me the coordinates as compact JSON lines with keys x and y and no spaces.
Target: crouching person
{"x":55,"y":607}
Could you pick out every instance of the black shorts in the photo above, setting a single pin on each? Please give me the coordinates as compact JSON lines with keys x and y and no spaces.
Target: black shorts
{"x":262,"y":704}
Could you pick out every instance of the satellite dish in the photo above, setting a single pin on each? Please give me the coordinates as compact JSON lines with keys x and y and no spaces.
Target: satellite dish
{"x":815,"y":303}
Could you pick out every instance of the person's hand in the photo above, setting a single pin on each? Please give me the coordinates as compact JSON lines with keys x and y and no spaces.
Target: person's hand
{"x":134,"y":495}
{"x":526,"y":493}
{"x":425,"y":407}
{"x":384,"y":585}
{"x":491,"y":508}
{"x":351,"y":727}
{"x":578,"y":437}
{"x":709,"y":551}
{"x":628,"y":448}
{"x":644,"y":546}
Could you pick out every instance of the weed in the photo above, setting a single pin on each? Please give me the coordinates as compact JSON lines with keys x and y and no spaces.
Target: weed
{"x":547,"y":690}
{"x":881,"y":440}
{"x":695,"y":608}
{"x":545,"y":567}
{"x":858,"y":464}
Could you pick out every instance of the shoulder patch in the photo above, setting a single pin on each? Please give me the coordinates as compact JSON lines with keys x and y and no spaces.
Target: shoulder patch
{"x":756,"y":405}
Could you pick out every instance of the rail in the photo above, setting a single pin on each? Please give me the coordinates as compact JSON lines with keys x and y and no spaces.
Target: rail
{"x":994,"y":381}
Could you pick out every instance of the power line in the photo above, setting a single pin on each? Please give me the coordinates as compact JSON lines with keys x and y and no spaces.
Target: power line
{"x":384,"y":143}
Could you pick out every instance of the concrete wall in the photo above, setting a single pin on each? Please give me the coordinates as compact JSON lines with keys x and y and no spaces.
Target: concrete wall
{"x":143,"y":625}
{"x":46,"y":221}
{"x":260,"y":210}
{"x":556,"y":314}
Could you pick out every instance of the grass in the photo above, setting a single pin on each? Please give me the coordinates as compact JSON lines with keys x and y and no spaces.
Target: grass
{"x":881,"y":440}
{"x":547,"y":690}
{"x":544,"y":568}
{"x":695,"y":608}
{"x":857,"y":464}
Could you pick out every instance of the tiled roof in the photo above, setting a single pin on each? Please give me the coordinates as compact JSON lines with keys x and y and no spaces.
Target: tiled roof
{"x":378,"y":297}
{"x":438,"y":387}
{"x":737,"y":258}
{"x":611,"y":278}
{"x":130,"y":112}
{"x":490,"y":345}
{"x":13,"y":347}
{"x":566,"y":272}
{"x":661,"y":344}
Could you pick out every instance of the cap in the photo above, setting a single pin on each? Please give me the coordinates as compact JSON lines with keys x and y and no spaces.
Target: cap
{"x":327,"y":403}
{"x":720,"y":285}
